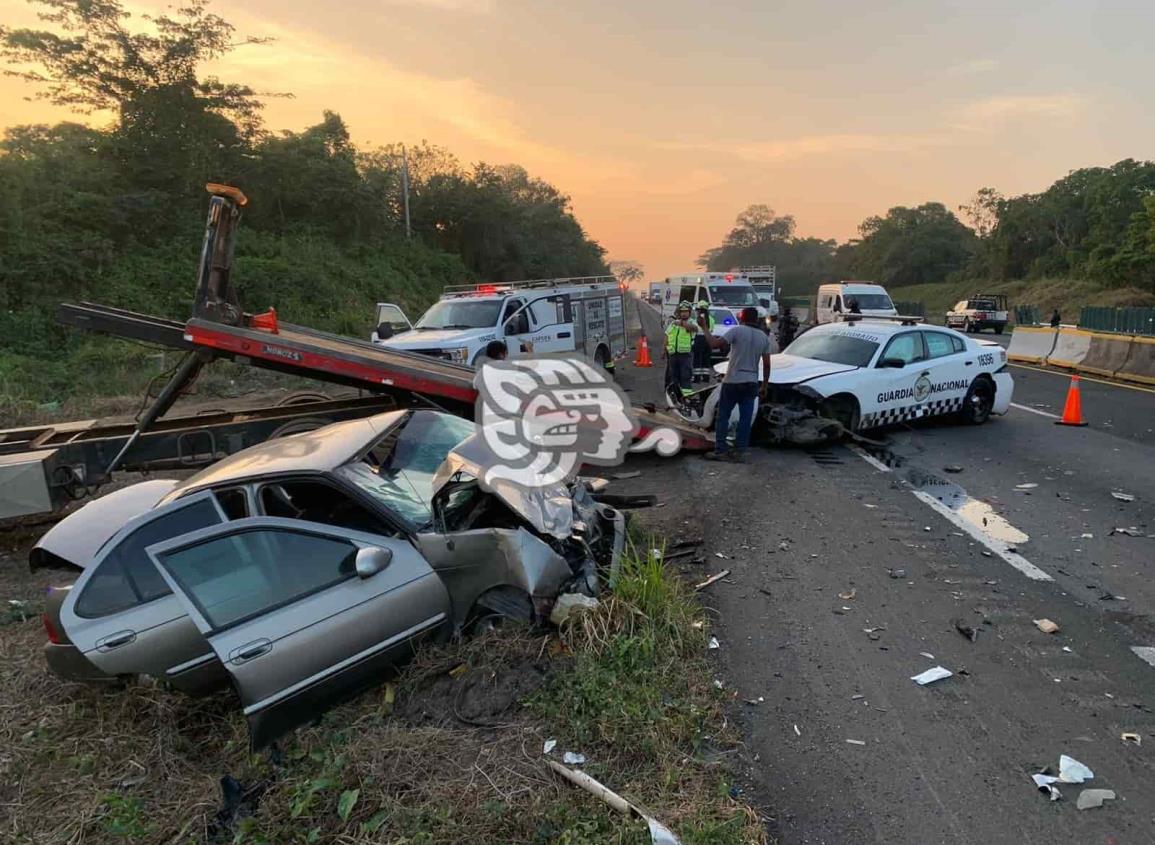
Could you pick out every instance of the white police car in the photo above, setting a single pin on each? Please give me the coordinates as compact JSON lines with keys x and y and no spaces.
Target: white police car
{"x":869,"y":373}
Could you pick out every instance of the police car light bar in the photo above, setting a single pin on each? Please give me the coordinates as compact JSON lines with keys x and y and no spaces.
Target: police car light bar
{"x":904,"y":319}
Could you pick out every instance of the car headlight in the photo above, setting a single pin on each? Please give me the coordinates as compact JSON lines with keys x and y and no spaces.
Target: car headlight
{"x":459,"y":354}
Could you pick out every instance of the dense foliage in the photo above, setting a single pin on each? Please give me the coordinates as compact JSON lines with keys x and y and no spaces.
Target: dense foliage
{"x":1096,"y":224}
{"x":114,"y":214}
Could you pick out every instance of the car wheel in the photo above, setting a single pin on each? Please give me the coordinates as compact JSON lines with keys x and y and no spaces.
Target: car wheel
{"x":844,"y":409}
{"x":980,"y":399}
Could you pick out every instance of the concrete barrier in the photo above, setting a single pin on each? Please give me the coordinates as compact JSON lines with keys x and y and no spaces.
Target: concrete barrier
{"x":1107,"y":355}
{"x":1071,"y":347}
{"x":1140,"y":363}
{"x":1032,"y":344}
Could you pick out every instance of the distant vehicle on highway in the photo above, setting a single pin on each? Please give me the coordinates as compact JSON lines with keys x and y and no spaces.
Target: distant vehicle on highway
{"x":838,"y":300}
{"x":981,"y":311}
{"x":731,"y":291}
{"x":764,"y":280}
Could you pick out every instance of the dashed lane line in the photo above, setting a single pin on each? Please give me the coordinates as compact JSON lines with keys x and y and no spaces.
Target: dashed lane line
{"x":1035,"y":411}
{"x":1000,"y":549}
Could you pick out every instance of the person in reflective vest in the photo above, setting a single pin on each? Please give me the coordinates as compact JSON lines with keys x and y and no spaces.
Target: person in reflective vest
{"x":701,"y":343}
{"x":677,"y":352}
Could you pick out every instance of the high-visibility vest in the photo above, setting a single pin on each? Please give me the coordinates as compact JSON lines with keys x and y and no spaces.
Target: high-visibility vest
{"x":678,"y":339}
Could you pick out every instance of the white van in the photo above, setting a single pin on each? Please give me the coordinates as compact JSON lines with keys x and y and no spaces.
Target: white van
{"x":729,"y":291}
{"x":541,"y":316}
{"x":837,"y":300}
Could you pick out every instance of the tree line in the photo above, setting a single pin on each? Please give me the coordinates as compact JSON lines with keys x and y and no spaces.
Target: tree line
{"x":113,"y":213}
{"x":1097,"y":223}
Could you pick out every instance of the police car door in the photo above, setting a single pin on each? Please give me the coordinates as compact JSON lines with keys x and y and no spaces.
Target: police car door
{"x":903,"y":386}
{"x":949,"y":371}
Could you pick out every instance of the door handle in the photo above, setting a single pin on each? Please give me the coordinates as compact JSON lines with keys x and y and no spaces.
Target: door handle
{"x":564,"y":334}
{"x":250,"y":651}
{"x":969,"y":363}
{"x":116,"y":640}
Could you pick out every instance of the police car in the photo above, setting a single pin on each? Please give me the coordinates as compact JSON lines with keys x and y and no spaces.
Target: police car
{"x":869,"y":373}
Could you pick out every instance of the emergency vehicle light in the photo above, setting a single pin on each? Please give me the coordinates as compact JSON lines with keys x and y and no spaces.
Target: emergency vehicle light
{"x":487,"y":288}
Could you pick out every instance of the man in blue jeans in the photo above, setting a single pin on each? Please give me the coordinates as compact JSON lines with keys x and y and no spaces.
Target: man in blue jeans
{"x":742,"y":386}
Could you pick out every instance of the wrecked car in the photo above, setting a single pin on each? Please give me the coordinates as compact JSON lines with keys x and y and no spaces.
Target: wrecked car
{"x":302,"y":568}
{"x":862,"y":374}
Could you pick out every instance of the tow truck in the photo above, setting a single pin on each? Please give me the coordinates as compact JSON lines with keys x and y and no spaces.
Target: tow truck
{"x":42,"y":468}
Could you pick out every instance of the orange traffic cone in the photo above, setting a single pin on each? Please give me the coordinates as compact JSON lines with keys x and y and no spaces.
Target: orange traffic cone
{"x":266,"y":322}
{"x":1073,"y":410}
{"x":643,"y":359}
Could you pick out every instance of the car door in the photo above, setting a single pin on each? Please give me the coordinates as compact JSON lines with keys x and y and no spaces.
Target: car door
{"x":551,"y":324}
{"x":515,"y":328}
{"x":949,"y":371}
{"x":121,"y":614}
{"x":391,"y":320}
{"x":301,"y":615}
{"x":902,"y":391}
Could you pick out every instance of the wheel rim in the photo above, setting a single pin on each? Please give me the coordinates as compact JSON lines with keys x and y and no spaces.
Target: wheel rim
{"x":981,"y":402}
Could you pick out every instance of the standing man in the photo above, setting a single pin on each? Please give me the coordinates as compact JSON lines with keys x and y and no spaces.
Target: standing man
{"x":679,"y":342}
{"x":701,"y":345}
{"x":1056,"y":320}
{"x":741,"y":386}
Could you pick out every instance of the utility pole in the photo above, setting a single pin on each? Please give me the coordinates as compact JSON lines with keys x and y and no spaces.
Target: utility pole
{"x":405,"y":188}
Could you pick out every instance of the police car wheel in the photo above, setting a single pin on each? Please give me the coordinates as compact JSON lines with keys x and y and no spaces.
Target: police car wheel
{"x":979,"y":401}
{"x":844,"y":409}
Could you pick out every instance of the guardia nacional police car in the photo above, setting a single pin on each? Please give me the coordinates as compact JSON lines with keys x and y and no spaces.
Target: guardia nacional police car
{"x":869,"y":373}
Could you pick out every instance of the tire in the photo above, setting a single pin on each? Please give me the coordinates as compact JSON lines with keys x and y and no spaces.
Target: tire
{"x":844,"y":409}
{"x":999,"y":328}
{"x":979,"y":401}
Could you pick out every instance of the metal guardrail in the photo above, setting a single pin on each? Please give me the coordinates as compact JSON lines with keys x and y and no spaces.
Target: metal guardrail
{"x":1118,"y":320}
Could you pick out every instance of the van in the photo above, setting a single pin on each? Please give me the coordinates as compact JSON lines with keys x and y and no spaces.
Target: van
{"x":838,"y":299}
{"x":764,"y":280}
{"x":728,"y":291}
{"x":540,"y":317}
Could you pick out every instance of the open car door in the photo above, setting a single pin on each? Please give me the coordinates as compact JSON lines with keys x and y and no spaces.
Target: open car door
{"x":391,"y":320}
{"x":301,"y":615}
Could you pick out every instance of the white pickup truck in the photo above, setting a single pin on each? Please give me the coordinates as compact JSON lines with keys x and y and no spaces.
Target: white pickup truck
{"x":981,"y":311}
{"x":546,"y":316}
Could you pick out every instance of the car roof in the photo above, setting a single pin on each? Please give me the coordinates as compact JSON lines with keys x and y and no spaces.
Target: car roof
{"x":880,"y":328}
{"x":319,"y":450}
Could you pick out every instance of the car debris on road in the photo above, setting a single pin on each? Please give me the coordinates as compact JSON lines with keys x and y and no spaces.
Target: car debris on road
{"x":1046,"y":626}
{"x":936,"y":673}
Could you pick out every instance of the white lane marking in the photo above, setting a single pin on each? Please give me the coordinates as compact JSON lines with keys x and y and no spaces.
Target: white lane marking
{"x":869,"y":458}
{"x":1146,"y":653}
{"x":1035,"y":411}
{"x":1001,"y":549}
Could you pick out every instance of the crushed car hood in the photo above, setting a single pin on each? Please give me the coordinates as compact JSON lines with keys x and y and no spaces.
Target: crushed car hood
{"x":790,"y":369}
{"x":549,"y":508}
{"x":77,"y":537}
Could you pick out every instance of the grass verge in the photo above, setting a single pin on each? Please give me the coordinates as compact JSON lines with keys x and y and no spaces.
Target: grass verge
{"x":444,"y":754}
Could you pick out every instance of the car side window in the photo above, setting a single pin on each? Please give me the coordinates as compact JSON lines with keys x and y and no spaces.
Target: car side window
{"x":315,"y":501}
{"x":238,"y":576}
{"x":518,"y":324}
{"x":938,"y":344}
{"x":126,"y":577}
{"x":957,"y":343}
{"x":906,"y":347}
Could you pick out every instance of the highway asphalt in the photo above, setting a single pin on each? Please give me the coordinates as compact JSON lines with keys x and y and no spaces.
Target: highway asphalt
{"x":852,"y":571}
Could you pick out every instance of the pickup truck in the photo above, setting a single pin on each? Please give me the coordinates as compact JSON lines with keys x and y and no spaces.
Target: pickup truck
{"x":981,"y":311}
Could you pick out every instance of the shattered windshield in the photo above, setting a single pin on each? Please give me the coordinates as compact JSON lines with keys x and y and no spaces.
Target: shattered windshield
{"x":835,"y":348}
{"x":398,"y":470}
{"x":732,"y":295}
{"x":461,"y":314}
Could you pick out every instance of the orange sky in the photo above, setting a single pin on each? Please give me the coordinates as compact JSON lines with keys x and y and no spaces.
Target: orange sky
{"x":665,"y":119}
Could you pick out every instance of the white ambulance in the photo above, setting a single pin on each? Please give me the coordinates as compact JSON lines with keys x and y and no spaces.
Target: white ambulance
{"x":540,"y":316}
{"x":729,"y":291}
{"x":837,"y":300}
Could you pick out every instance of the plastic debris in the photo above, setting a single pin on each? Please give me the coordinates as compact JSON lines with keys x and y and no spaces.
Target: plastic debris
{"x":847,"y":596}
{"x":1089,"y":799}
{"x":718,"y":684}
{"x":952,"y":468}
{"x":1046,"y":784}
{"x":548,"y":746}
{"x":1030,"y":485}
{"x":659,"y":833}
{"x":856,"y":742}
{"x":754,"y":702}
{"x":1046,"y":626}
{"x":572,"y":758}
{"x":1086,"y":536}
{"x":1072,"y":771}
{"x":713,"y":579}
{"x":926,"y":528}
{"x":1132,"y":738}
{"x":926,"y":654}
{"x":896,"y":573}
{"x":622,"y":476}
{"x":713,"y":644}
{"x":931,"y":675}
{"x":1130,"y":532}
{"x":570,"y":603}
{"x":720,"y":555}
{"x":797,"y":731}
{"x":1122,"y":497}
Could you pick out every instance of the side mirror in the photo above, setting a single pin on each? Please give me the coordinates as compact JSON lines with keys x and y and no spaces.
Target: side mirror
{"x":371,"y":560}
{"x":892,"y":363}
{"x":384,"y":331}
